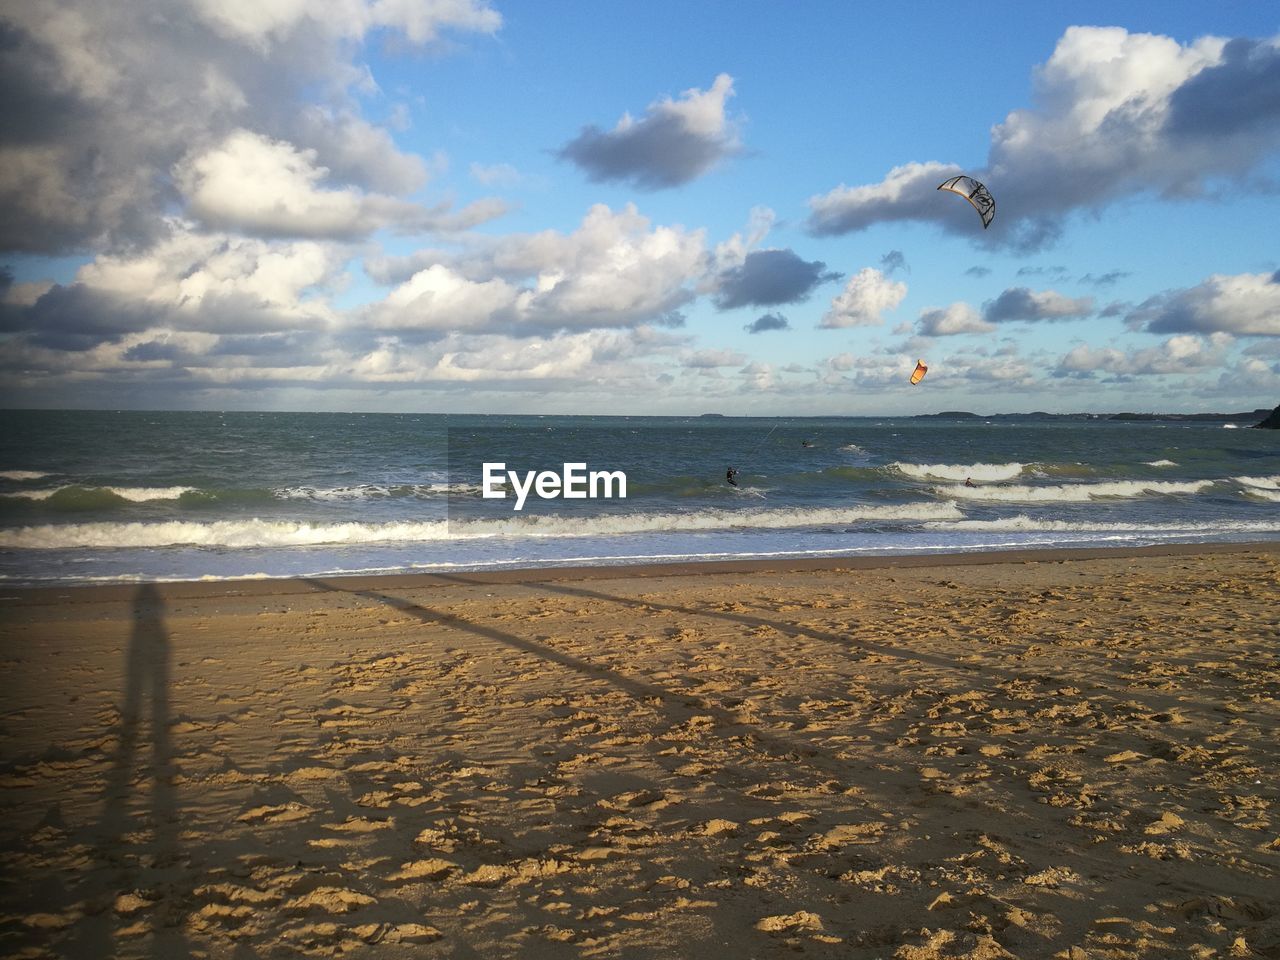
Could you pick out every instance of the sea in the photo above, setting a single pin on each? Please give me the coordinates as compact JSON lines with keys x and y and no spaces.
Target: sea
{"x":110,"y":497}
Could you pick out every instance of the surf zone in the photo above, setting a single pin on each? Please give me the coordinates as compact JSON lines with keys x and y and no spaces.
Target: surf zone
{"x":572,"y":483}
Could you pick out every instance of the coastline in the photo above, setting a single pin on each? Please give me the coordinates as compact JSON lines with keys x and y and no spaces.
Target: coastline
{"x":17,"y":596}
{"x":1027,"y":755}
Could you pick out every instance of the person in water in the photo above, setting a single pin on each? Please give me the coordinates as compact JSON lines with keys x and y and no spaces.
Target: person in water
{"x":968,"y":482}
{"x":806,"y":443}
{"x":730,"y":474}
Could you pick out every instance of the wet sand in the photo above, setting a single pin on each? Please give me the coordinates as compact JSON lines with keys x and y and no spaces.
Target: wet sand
{"x":1047,"y":754}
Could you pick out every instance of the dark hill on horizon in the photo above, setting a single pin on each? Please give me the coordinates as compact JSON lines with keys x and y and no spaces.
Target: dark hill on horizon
{"x":1252,"y":415}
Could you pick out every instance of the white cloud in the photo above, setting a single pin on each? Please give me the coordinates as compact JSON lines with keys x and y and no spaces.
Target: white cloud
{"x":866,"y":297}
{"x":1116,"y":113}
{"x":906,"y":193}
{"x":264,"y":24}
{"x":440,"y":299}
{"x":675,"y":142}
{"x":1087,"y":359}
{"x":189,"y":281}
{"x":116,"y":95}
{"x":1246,"y":304}
{"x":1182,"y":354}
{"x":1021,"y":304}
{"x":358,"y":151}
{"x":254,"y":183}
{"x":952,"y":320}
{"x":271,"y":188}
{"x":615,"y":270}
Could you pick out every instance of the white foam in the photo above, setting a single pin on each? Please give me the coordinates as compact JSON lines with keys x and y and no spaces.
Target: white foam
{"x":1024,"y":524}
{"x":142,"y":494}
{"x":1259,"y":483}
{"x":985,"y":472}
{"x":1072,"y":492}
{"x":285,"y":533}
{"x":21,"y":474}
{"x":32,"y":494}
{"x":135,"y":494}
{"x":1160,"y":463}
{"x":852,"y":448}
{"x":374,"y":491}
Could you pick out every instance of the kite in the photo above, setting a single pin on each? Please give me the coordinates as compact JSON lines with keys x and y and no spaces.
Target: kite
{"x":976,"y":194}
{"x":919,"y":372}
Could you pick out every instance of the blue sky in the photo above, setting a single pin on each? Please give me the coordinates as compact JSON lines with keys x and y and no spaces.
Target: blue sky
{"x":363,"y":205}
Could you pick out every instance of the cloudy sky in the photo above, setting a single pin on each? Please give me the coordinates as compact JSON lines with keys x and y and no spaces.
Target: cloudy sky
{"x":563,"y":207}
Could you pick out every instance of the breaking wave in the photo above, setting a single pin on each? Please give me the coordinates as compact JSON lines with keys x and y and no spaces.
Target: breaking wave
{"x":21,"y":474}
{"x":1072,"y":492}
{"x":985,"y":472}
{"x":1264,"y":488}
{"x":1260,"y":483}
{"x":288,"y":533}
{"x":1025,"y":524}
{"x":375,"y":491}
{"x":99,"y":496}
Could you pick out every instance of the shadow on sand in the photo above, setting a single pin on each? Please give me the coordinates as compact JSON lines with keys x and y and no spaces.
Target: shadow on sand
{"x":136,"y":840}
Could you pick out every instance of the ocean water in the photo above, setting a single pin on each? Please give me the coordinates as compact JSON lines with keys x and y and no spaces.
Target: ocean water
{"x":90,"y":497}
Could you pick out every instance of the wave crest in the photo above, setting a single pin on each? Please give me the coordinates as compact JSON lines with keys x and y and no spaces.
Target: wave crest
{"x":1073,"y":492}
{"x":986,"y":472}
{"x":281,"y":533}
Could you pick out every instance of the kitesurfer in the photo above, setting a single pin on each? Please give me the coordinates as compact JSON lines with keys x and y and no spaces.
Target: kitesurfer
{"x":730,"y":474}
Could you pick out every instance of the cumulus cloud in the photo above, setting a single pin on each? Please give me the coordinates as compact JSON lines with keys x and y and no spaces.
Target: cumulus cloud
{"x":1116,"y":113}
{"x":767,"y":278}
{"x":952,"y":320}
{"x":770,"y":321}
{"x":105,"y":100}
{"x":615,"y":270}
{"x":906,"y":193}
{"x":1177,"y":355}
{"x":271,"y":188}
{"x":257,"y":297}
{"x":675,"y":142}
{"x":167,"y":363}
{"x":1246,"y":304}
{"x":1032,"y":306}
{"x":864,"y":300}
{"x":191,"y":281}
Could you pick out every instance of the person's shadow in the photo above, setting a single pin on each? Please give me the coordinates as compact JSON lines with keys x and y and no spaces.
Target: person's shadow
{"x":137,"y":843}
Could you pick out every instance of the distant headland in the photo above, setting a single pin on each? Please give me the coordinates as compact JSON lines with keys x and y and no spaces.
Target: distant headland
{"x":1267,"y":419}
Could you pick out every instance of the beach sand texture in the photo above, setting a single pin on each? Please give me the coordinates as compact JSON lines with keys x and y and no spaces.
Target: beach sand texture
{"x":1029,"y":756}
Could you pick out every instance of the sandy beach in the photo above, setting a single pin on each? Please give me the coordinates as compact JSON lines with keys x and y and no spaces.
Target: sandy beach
{"x":1066,"y":754}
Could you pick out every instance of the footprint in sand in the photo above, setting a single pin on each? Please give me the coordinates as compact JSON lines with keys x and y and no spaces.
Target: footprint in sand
{"x":280,"y":813}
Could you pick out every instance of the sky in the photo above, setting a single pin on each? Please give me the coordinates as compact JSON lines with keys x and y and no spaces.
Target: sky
{"x":458,"y":206}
